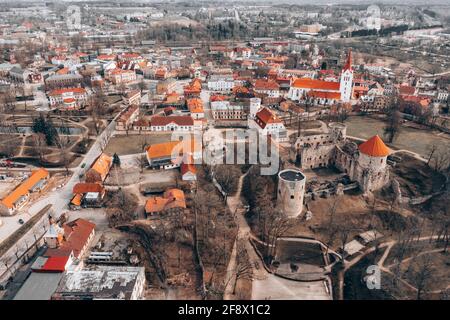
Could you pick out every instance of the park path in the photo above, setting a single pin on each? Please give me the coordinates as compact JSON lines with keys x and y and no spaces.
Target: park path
{"x":388,"y":245}
{"x":236,"y":207}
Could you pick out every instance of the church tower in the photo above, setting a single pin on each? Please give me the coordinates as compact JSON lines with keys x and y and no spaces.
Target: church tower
{"x":346,"y":83}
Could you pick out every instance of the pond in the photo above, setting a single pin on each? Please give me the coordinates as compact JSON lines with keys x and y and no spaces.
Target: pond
{"x":27,"y":129}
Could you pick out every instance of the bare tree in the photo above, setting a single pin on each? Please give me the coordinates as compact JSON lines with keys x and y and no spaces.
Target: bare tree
{"x":393,"y":123}
{"x":244,"y":268}
{"x":64,"y":144}
{"x":440,"y":159}
{"x":422,"y":277}
{"x":431,"y":150}
{"x":275,"y":225}
{"x":39,"y":142}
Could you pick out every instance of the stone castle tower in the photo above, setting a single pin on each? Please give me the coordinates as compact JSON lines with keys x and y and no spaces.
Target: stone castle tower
{"x":291,"y":190}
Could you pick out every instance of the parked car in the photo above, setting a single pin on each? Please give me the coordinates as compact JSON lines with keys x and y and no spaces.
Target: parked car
{"x":21,"y":221}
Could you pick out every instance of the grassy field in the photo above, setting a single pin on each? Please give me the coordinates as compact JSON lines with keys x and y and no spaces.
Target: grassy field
{"x":415,"y":140}
{"x":132,"y":144}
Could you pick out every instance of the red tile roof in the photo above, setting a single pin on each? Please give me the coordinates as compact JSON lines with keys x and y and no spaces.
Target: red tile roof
{"x":24,"y":187}
{"x":76,"y":235}
{"x":187,"y":167}
{"x":324,"y":95}
{"x":179,"y":120}
{"x":172,"y":198}
{"x":374,"y":147}
{"x":266,"y":85}
{"x":265,"y":117}
{"x":55,"y":264}
{"x":59,"y":92}
{"x":87,"y":187}
{"x":308,"y":83}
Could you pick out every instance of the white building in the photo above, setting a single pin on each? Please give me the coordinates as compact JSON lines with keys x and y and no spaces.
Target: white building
{"x":68,"y":97}
{"x":221,"y":83}
{"x":172,"y":123}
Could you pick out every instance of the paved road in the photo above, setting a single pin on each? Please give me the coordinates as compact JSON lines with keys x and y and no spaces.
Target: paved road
{"x":204,"y":96}
{"x":58,"y":198}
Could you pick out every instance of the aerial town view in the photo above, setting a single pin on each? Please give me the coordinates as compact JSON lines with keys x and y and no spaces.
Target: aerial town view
{"x":224,"y":150}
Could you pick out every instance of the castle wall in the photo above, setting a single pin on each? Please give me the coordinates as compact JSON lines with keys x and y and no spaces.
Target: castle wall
{"x":318,"y":156}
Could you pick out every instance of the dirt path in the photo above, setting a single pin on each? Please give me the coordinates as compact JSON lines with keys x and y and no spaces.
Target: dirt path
{"x":388,"y":245}
{"x":236,"y":207}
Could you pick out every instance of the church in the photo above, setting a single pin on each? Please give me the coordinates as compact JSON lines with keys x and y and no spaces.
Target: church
{"x":325,"y":92}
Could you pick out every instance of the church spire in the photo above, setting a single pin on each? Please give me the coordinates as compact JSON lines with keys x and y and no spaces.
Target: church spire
{"x":348,"y":64}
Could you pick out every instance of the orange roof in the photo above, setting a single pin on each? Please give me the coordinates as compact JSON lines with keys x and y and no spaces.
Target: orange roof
{"x":374,"y":147}
{"x":172,"y":198}
{"x":217,"y":97}
{"x":120,"y":71}
{"x":69,"y":100}
{"x":59,"y":92}
{"x":324,"y":95}
{"x":106,"y":57}
{"x":161,"y":149}
{"x":266,"y":85}
{"x":309,"y":83}
{"x":188,"y":167}
{"x":166,"y":149}
{"x":265,"y":116}
{"x":240,"y":89}
{"x":161,"y":72}
{"x":63,"y":71}
{"x":81,"y":188}
{"x":195,"y":105}
{"x":196,"y":83}
{"x":194,"y":87}
{"x":24,"y":187}
{"x":102,"y":165}
{"x":76,"y":200}
{"x":172,"y":97}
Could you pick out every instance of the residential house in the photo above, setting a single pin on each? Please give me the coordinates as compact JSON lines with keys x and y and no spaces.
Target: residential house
{"x":269,"y":88}
{"x":127,"y":117}
{"x":195,"y":106}
{"x":133,"y":97}
{"x":188,"y":172}
{"x":20,"y":195}
{"x":76,"y":239}
{"x":170,"y":154}
{"x":99,"y":169}
{"x":173,"y":200}
{"x":268,"y":123}
{"x":172,"y":123}
{"x":68,"y":98}
{"x":87,"y":195}
{"x":119,"y":76}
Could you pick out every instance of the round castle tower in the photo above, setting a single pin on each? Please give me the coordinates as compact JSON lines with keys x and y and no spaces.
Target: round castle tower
{"x":291,"y":190}
{"x":338,"y":131}
{"x":373,"y":154}
{"x":373,"y":161}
